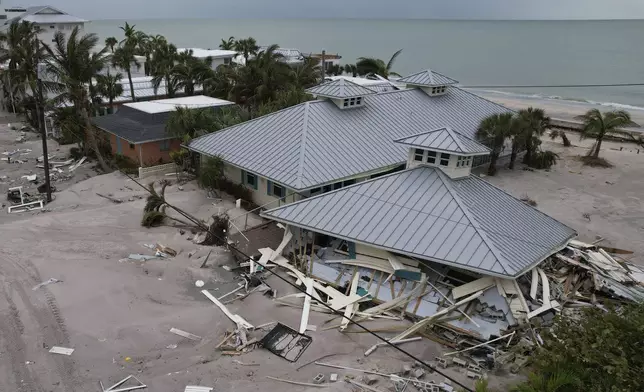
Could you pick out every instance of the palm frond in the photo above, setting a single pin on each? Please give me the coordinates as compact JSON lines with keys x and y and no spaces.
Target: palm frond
{"x":392,"y":60}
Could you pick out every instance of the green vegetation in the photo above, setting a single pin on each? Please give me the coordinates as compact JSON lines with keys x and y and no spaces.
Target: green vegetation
{"x":493,"y":132}
{"x":370,"y":65}
{"x":598,"y":125}
{"x":601,"y":351}
{"x":524,"y":130}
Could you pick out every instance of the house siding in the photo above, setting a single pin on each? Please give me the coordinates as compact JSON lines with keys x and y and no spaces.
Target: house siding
{"x":260,"y":195}
{"x":149,"y":153}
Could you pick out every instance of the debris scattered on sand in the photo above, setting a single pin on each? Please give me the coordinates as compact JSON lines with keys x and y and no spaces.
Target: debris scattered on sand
{"x":185,"y":334}
{"x":45,"y":283}
{"x":61,"y":350}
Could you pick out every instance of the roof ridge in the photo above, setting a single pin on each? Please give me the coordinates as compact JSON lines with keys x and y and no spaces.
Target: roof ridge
{"x":473,"y":221}
{"x":261,"y":117}
{"x":305,"y":128}
{"x":457,"y":140}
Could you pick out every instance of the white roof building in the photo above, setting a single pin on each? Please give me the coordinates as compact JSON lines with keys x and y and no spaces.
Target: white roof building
{"x":50,"y":20}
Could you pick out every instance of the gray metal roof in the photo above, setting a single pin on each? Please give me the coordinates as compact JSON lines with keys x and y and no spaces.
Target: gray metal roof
{"x":421,"y":212}
{"x":33,"y":14}
{"x":316,"y":142}
{"x":340,"y":88}
{"x":427,"y":78}
{"x":444,"y":139}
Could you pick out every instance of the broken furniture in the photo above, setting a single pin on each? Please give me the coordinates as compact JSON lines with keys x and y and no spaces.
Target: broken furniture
{"x":15,"y":194}
{"x":286,"y":342}
{"x":133,"y":379}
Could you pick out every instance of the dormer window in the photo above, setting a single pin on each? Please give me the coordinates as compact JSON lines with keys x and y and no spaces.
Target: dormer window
{"x":351,"y":102}
{"x":343,"y":93}
{"x":443,"y":148}
{"x":464,"y":161}
{"x":429,"y":81}
{"x":431,"y":157}
{"x":438,"y":90}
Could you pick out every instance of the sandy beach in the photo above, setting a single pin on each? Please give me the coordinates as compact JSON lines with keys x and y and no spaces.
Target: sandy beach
{"x":557,"y":108}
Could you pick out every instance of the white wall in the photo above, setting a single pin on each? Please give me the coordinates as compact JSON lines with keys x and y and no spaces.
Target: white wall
{"x":47,"y":34}
{"x":260,"y":195}
{"x":451,"y":169}
{"x":219,"y":61}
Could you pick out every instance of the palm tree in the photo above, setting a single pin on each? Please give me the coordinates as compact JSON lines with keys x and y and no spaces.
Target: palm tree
{"x":190,"y":72}
{"x":72,"y":67}
{"x":492,"y":132}
{"x":598,"y":125}
{"x":351,"y":69}
{"x":369,"y":65}
{"x":517,"y":135}
{"x":534,"y":123}
{"x":228,"y":44}
{"x":262,"y":78}
{"x":247,"y":47}
{"x":306,"y":74}
{"x":559,"y":133}
{"x":22,"y":53}
{"x":130,"y":34}
{"x":191,"y":122}
{"x":163,"y":61}
{"x":111,"y":42}
{"x":110,"y":87}
{"x":123,"y":58}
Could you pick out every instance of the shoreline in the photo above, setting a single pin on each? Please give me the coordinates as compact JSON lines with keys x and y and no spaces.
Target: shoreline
{"x":562,"y":110}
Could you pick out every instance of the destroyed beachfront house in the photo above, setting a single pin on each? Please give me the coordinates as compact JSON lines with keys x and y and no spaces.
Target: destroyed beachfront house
{"x":377,"y":187}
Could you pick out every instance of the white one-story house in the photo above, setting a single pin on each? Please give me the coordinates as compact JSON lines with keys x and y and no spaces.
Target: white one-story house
{"x":218,"y":56}
{"x":342,"y":138}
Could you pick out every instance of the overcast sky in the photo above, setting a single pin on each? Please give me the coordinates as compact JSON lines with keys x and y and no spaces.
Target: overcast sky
{"x":438,"y":9}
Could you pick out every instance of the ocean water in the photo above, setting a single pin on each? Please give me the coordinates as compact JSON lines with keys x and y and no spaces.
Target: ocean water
{"x":476,"y":53}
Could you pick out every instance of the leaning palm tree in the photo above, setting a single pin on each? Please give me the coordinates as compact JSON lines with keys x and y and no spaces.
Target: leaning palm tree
{"x":123,"y":58}
{"x":72,"y":66}
{"x":247,"y":47}
{"x":370,"y":65}
{"x":492,"y":132}
{"x":228,"y":44}
{"x":111,"y":42}
{"x":109,"y":86}
{"x":598,"y":126}
{"x":534,"y":123}
{"x":560,"y":133}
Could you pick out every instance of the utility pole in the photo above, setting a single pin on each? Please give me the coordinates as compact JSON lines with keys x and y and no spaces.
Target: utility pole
{"x":40,"y":111}
{"x":323,"y":63}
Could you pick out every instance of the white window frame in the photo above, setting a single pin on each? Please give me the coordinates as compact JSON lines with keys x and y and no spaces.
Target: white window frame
{"x":419,"y":153}
{"x":431,"y":159}
{"x":442,"y":159}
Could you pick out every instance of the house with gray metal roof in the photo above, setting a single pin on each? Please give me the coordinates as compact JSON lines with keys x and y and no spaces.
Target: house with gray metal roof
{"x":436,"y":211}
{"x":339,"y":139}
{"x":50,"y":20}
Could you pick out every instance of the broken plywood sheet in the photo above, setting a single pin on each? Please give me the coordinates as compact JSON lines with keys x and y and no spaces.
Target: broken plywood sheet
{"x":472,"y":287}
